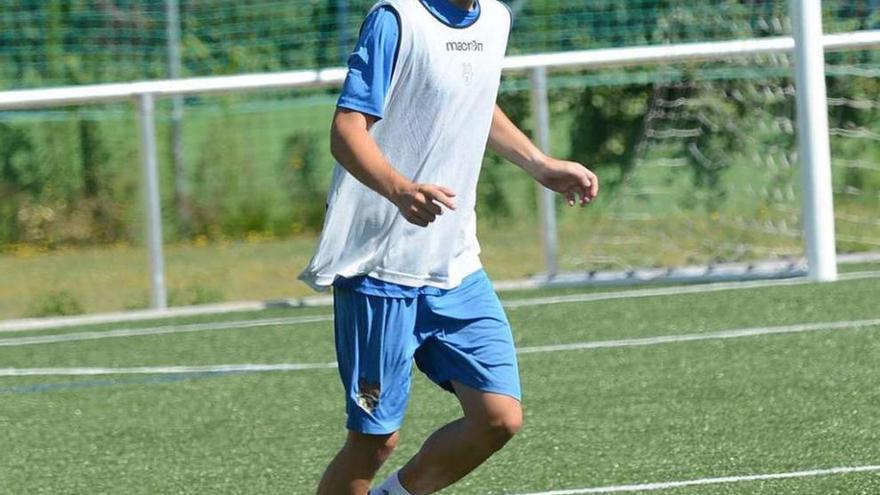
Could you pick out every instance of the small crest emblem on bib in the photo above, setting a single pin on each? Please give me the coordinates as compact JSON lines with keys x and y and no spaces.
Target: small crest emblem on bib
{"x":468,"y":72}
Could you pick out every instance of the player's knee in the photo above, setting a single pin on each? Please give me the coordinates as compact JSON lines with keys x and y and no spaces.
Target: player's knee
{"x":501,"y":428}
{"x":385,"y":446}
{"x":378,"y":448}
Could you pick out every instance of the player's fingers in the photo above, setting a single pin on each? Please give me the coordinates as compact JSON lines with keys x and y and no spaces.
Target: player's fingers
{"x":581,"y":190}
{"x":445,"y":190}
{"x":584,"y":185}
{"x":594,"y":184}
{"x":422,"y":214}
{"x":587,"y":197}
{"x":415,"y":220}
{"x":571,"y":197}
{"x":442,"y":195}
{"x":423,"y":202}
{"x":431,"y":207}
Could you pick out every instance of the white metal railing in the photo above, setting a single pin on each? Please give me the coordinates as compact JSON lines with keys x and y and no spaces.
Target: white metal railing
{"x":818,"y":210}
{"x":587,"y":59}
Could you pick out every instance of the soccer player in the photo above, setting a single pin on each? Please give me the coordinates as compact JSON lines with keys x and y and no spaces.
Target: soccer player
{"x":399,"y":240}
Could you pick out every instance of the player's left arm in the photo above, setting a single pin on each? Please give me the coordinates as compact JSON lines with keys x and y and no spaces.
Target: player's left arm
{"x":571,"y":179}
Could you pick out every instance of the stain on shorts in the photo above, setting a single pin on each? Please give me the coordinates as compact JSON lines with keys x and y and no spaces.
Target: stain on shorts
{"x":368,"y":395}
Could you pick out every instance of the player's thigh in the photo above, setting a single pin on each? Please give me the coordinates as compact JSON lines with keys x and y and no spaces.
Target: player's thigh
{"x":470,"y":340}
{"x":375,"y":343}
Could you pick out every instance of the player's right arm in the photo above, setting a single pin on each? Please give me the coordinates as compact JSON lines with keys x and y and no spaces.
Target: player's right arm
{"x":362,"y":104}
{"x":354,"y":149}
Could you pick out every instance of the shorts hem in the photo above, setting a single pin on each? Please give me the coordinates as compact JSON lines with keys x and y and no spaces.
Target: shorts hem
{"x":371,"y":429}
{"x":483,"y":387}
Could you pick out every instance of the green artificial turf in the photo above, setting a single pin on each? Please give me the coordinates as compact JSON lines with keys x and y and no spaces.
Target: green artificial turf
{"x":600,"y":417}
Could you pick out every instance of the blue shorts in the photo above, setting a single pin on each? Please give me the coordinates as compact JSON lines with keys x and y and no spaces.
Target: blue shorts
{"x":458,"y":335}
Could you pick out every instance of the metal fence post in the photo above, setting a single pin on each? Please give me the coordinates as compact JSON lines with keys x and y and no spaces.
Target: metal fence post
{"x":146,"y":104}
{"x":814,"y":148}
{"x":546,"y":197}
{"x":345,"y":44}
{"x":175,"y":70}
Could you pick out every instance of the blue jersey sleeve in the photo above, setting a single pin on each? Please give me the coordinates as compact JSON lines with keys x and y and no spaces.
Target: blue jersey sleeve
{"x":371,"y":64}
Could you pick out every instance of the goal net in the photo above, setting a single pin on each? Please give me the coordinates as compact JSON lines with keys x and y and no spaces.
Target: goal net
{"x":699,"y":162}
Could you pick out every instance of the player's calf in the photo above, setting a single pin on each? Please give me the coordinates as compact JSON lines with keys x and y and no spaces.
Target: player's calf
{"x":489,"y":422}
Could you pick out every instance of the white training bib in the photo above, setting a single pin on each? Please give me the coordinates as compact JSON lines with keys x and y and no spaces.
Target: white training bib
{"x":437,"y":118}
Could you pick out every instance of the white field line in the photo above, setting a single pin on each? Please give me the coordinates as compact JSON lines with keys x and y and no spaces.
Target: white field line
{"x":602,"y":344}
{"x":165,"y":370}
{"x":162,"y":330}
{"x":713,"y":481}
{"x":21,"y":325}
{"x":511,"y":304}
{"x":673,"y":291}
{"x":323,"y":301}
{"x":694,"y":337}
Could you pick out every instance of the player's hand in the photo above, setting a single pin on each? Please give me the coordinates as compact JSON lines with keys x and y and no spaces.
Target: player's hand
{"x":421,"y":204}
{"x":574,"y":181}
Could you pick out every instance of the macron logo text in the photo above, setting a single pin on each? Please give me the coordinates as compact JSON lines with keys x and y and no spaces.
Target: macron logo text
{"x":464,"y":46}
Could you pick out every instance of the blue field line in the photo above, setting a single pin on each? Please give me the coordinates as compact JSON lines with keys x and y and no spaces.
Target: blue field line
{"x":143,"y":380}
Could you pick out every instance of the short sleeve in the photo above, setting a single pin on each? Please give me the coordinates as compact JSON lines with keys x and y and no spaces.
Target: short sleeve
{"x":371,"y":64}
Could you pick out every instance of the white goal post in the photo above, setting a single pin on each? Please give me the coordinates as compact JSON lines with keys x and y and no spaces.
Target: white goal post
{"x":808,"y":45}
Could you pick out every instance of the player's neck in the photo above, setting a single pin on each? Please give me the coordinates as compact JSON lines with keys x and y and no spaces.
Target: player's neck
{"x":463,"y":4}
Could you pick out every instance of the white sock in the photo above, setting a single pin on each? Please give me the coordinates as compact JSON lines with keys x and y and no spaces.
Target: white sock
{"x":391,"y":486}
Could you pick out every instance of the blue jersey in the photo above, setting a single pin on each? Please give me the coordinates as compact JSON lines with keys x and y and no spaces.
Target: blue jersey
{"x":370,"y":69}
